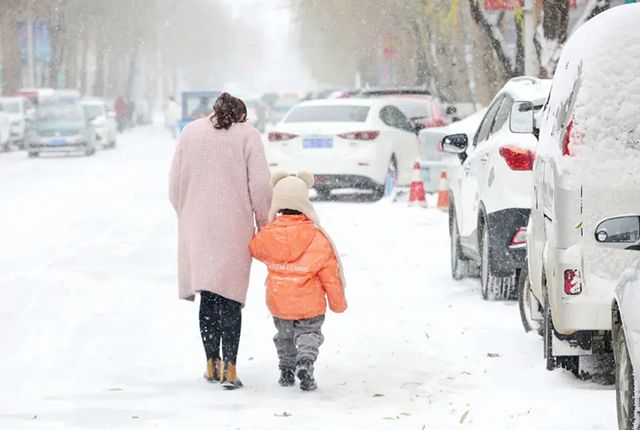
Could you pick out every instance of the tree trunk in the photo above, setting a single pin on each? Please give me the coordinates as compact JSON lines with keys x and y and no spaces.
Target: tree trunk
{"x":555,"y":20}
{"x":496,"y":44}
{"x":11,"y":63}
{"x":101,"y":58}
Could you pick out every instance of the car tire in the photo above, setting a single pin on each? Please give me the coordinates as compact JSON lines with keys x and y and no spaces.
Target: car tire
{"x":324,"y":194}
{"x":493,"y":287}
{"x":90,"y":151}
{"x":626,"y":392}
{"x":459,"y":264}
{"x":33,"y":154}
{"x":525,"y":297}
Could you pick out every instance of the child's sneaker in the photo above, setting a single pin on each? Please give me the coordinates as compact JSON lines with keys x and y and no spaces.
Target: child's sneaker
{"x":287,"y":377}
{"x":304,"y":372}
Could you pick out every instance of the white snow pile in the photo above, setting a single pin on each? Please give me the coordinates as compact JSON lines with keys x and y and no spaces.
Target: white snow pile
{"x":598,"y":77}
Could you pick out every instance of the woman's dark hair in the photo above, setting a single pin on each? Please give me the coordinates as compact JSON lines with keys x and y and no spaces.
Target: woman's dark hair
{"x":290,"y":212}
{"x":227,"y":111}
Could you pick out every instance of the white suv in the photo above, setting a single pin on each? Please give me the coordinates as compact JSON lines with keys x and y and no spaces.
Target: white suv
{"x":491,"y":195}
{"x":587,"y":169}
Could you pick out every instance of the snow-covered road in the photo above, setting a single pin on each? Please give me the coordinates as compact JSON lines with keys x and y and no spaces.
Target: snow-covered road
{"x":93,"y":336}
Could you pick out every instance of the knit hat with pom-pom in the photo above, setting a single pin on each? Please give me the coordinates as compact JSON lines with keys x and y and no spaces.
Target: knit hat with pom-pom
{"x":292,"y":192}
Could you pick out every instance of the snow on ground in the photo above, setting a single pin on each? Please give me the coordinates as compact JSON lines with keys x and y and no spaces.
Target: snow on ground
{"x":93,"y":336}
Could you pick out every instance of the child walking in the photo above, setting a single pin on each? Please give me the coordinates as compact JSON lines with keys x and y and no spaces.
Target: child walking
{"x":304,"y":271}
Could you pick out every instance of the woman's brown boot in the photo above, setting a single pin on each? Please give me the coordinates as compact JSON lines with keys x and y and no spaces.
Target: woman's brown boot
{"x":231,"y":381}
{"x":214,"y":370}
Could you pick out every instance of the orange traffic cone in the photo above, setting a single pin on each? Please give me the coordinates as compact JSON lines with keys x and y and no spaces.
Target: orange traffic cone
{"x":443,"y":192}
{"x":416,"y":192}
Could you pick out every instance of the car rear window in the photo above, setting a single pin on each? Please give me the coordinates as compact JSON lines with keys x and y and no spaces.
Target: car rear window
{"x":339,"y":113}
{"x":416,"y":110}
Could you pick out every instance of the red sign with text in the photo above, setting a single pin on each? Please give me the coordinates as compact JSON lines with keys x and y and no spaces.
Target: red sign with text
{"x":510,"y":4}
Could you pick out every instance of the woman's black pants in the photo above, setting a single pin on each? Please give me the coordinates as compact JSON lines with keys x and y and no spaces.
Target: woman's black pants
{"x":220,"y":321}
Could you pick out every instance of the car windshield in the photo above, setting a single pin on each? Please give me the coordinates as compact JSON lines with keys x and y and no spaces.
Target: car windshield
{"x":60,"y":112}
{"x":10,"y":106}
{"x":330,"y":113}
{"x":93,"y":111}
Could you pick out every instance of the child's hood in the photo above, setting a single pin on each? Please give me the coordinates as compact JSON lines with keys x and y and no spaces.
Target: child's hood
{"x":284,"y":240}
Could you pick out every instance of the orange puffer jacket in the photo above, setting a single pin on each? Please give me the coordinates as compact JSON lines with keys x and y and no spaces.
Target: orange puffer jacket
{"x":303,"y":268}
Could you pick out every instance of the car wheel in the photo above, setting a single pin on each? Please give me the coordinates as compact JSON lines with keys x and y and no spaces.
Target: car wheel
{"x":33,"y":154}
{"x":459,"y":264}
{"x":89,"y":152}
{"x":324,"y":193}
{"x":626,"y":393}
{"x":493,"y":287}
{"x":525,"y":301}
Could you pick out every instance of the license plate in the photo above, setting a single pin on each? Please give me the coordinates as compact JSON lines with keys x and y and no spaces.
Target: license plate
{"x":317,"y":142}
{"x":58,"y":142}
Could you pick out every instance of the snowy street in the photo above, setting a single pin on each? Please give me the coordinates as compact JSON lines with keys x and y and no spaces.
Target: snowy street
{"x":92,"y":334}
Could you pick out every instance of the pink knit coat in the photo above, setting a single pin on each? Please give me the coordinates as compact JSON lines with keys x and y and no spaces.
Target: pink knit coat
{"x":220,"y":187}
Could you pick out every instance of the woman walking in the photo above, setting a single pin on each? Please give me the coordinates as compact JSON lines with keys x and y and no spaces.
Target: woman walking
{"x":220,"y":187}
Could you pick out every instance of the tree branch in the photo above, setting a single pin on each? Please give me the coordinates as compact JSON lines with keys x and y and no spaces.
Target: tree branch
{"x":494,"y":39}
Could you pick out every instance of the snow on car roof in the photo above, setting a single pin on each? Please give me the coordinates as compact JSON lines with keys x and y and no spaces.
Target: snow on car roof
{"x":598,"y":86}
{"x":528,"y":88}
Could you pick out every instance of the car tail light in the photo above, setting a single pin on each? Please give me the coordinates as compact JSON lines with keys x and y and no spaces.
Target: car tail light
{"x":572,"y":282}
{"x":517,"y":158}
{"x":570,"y":139}
{"x":360,"y":135}
{"x":276,"y":136}
{"x":519,"y":238}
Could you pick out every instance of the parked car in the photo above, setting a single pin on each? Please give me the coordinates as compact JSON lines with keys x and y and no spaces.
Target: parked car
{"x":256,"y":113}
{"x":197,"y":104}
{"x":433,"y":160}
{"x":621,"y":235}
{"x":346,"y":143}
{"x":20,"y":112}
{"x":586,"y":170}
{"x":280,"y":107}
{"x":490,"y":197}
{"x":103,"y":122}
{"x":423,"y":111}
{"x":5,"y":130}
{"x":60,"y":127}
{"x":37,"y":95}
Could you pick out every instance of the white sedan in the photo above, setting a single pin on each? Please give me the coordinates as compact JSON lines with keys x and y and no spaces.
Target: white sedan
{"x":346,"y":143}
{"x":103,"y":121}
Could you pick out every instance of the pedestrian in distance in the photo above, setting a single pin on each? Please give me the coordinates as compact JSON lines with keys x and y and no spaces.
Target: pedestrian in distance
{"x":220,"y":188}
{"x":304,"y":272}
{"x":121,"y":109}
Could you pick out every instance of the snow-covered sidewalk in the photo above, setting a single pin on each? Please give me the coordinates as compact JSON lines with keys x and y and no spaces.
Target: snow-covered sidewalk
{"x":92,"y":334}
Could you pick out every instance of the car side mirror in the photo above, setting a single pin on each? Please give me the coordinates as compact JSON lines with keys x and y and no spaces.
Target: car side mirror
{"x":455,"y":143}
{"x":619,"y":233}
{"x":452,"y":110}
{"x":521,"y":118}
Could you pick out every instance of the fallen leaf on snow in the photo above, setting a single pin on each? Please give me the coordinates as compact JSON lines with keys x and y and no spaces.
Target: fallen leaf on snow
{"x":464,"y":416}
{"x":115,"y":389}
{"x":405,"y":414}
{"x":378,"y":395}
{"x":284,"y":414}
{"x":493,"y":355}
